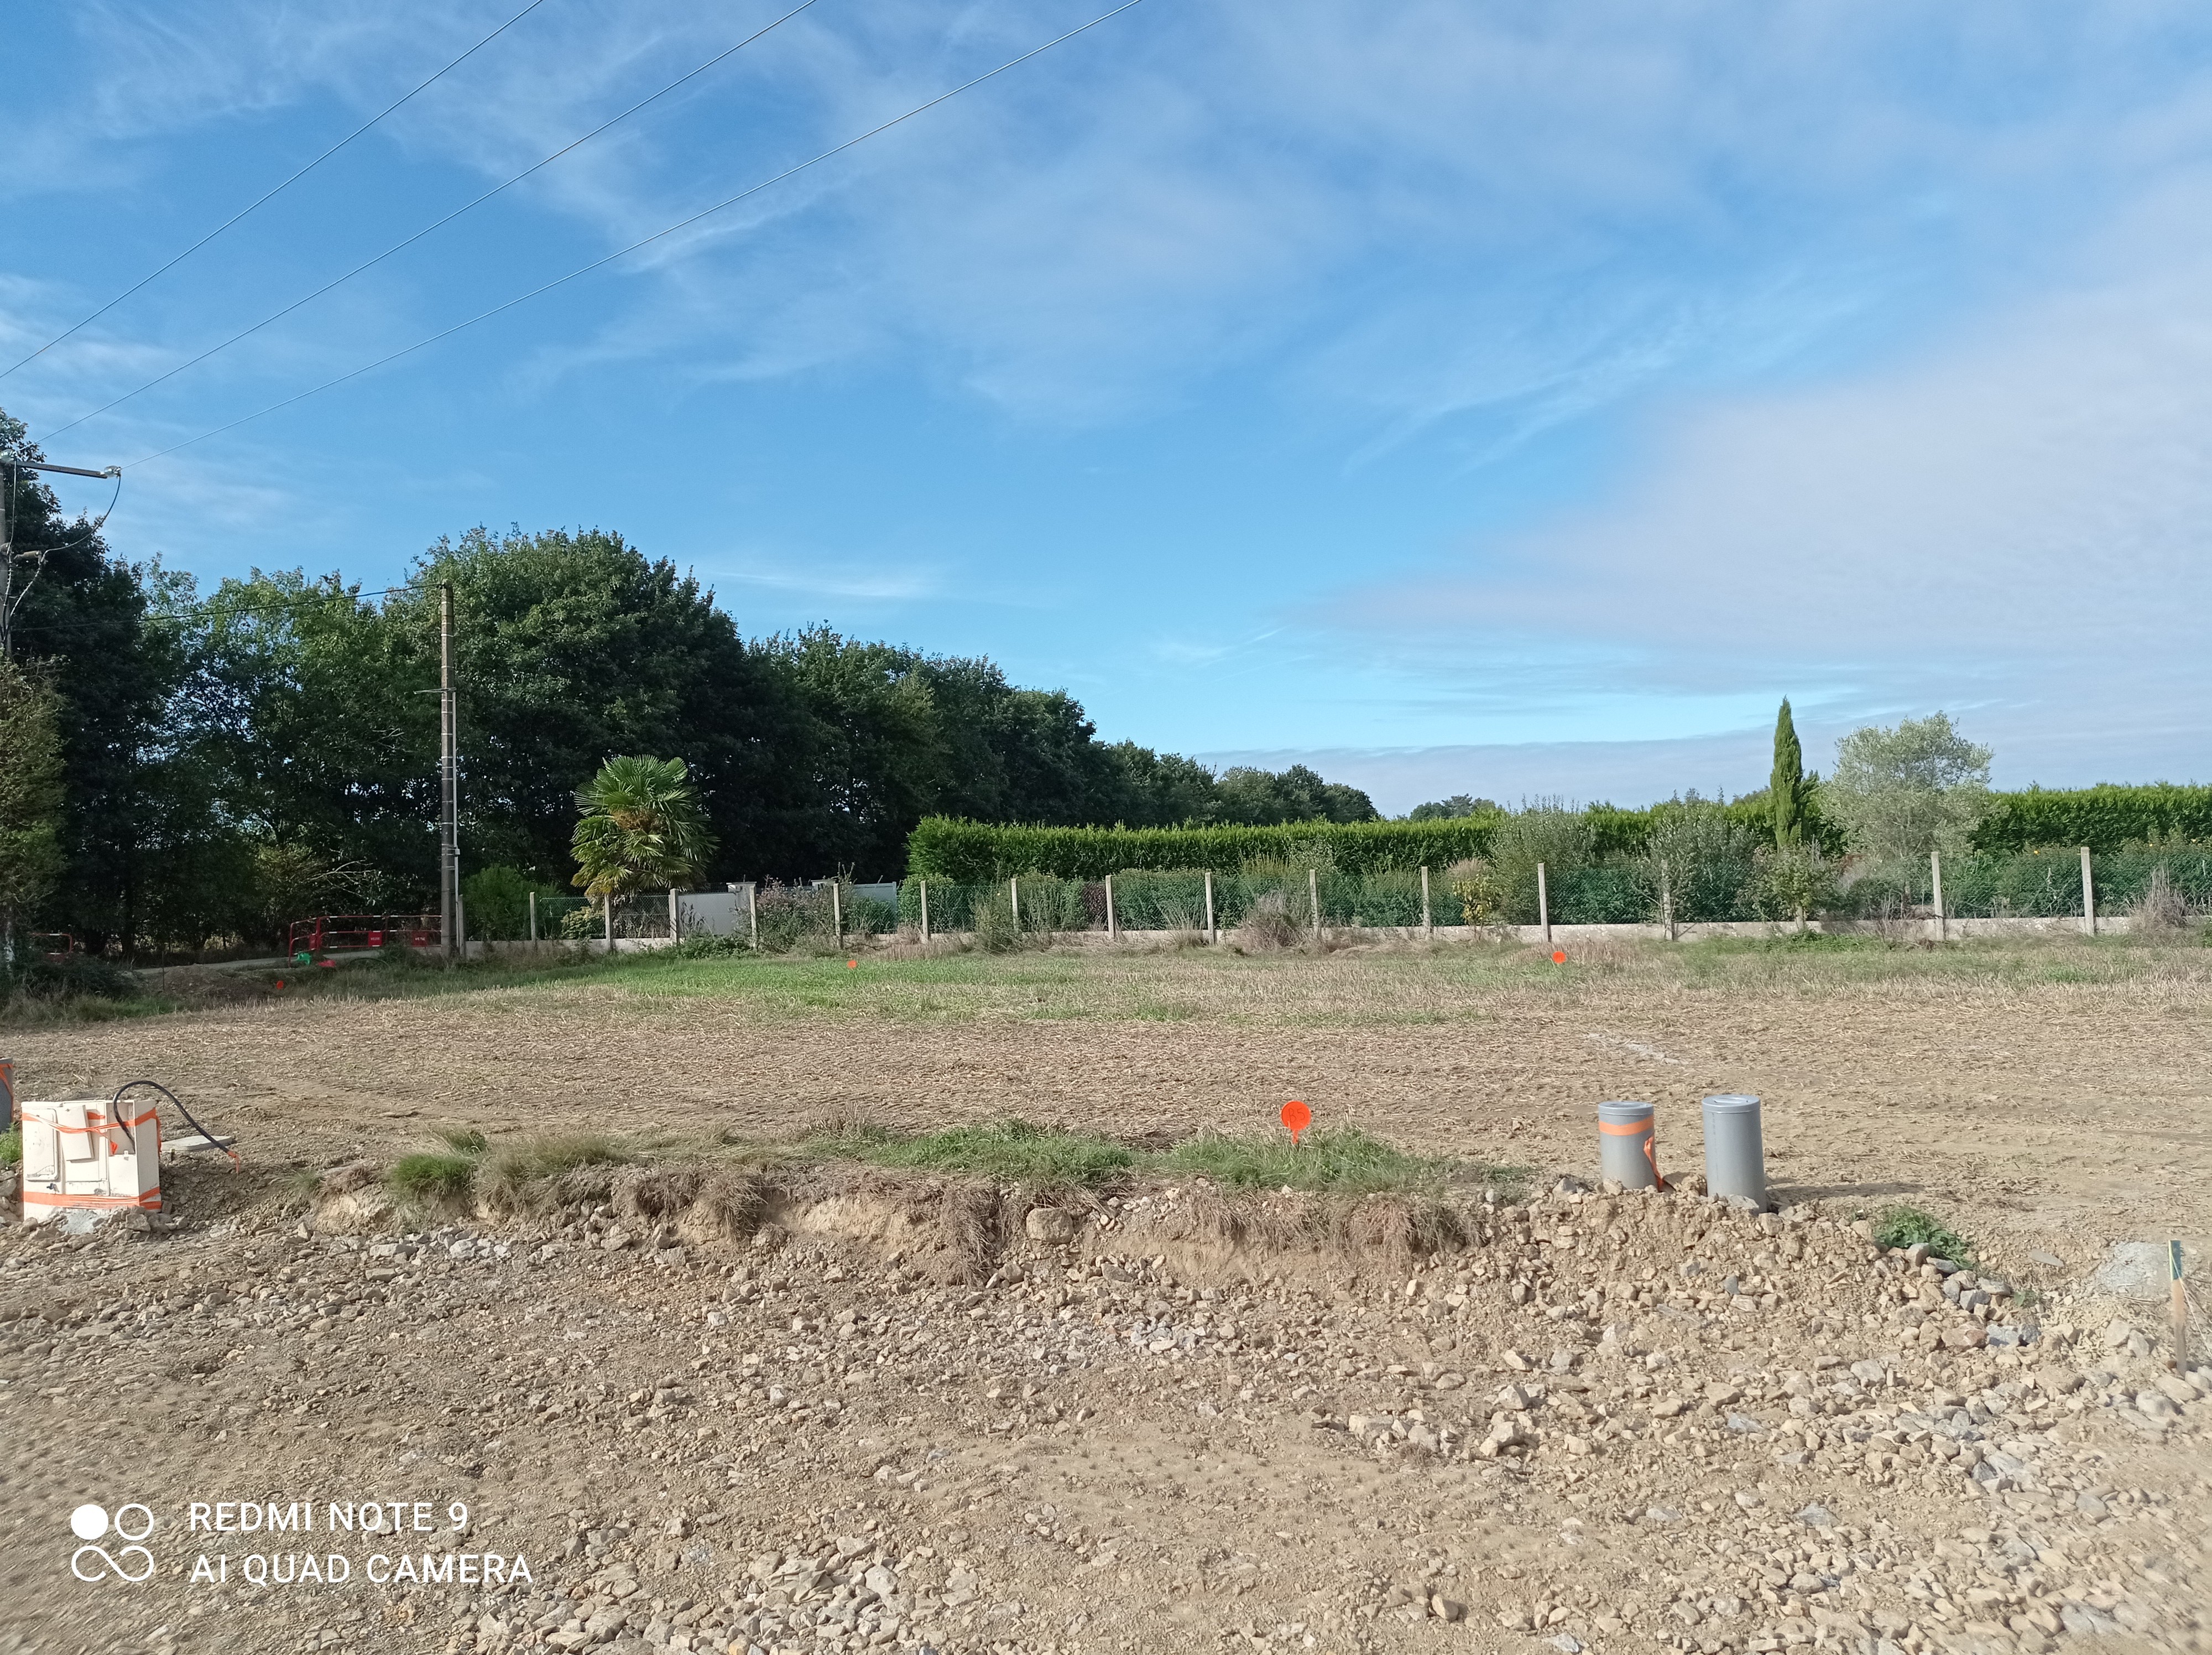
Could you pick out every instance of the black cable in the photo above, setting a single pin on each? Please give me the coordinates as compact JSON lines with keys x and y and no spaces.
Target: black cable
{"x":279,"y":190}
{"x":397,"y":247}
{"x":115,"y":1116}
{"x":620,"y":253}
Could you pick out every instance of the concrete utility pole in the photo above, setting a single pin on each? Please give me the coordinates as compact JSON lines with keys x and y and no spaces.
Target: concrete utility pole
{"x":449,"y":781}
{"x":11,"y":471}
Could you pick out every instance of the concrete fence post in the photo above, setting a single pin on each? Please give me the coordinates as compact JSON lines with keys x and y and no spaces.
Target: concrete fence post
{"x":925,"y":910}
{"x":1014,"y":896}
{"x":607,"y":912}
{"x":675,"y":934}
{"x":1113,"y":925}
{"x":1667,"y":902}
{"x":2088,"y":895}
{"x":1936,"y":881}
{"x":1313,"y":896}
{"x":1543,"y":905}
{"x":752,"y":913}
{"x":534,"y":916}
{"x":1428,"y":916}
{"x":838,"y":913}
{"x":1211,"y":934}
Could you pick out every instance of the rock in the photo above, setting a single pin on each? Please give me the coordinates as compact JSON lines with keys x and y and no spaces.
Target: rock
{"x":1567,"y":1643}
{"x":1051,"y":1224}
{"x":1513,"y":1399}
{"x":2132,"y":1269}
{"x":1743,"y":1424}
{"x":1513,"y":1618}
{"x":1516,"y":1361}
{"x":2088,"y":1505}
{"x":2048,"y":1261}
{"x":1448,"y":1609}
{"x":1748,"y":1499}
{"x":1817,"y":1516}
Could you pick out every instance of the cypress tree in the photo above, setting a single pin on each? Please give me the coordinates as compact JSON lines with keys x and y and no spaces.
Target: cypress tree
{"x":1786,"y":792}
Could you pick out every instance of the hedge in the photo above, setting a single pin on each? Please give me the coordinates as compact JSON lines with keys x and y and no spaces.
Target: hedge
{"x":942,"y":847}
{"x":2103,"y":818}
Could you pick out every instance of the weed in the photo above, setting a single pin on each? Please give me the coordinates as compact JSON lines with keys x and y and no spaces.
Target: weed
{"x":11,"y":1145}
{"x":1910,"y":1226}
{"x":1343,"y":1162}
{"x":1008,"y":1151}
{"x":461,"y":1139}
{"x":431,"y":1177}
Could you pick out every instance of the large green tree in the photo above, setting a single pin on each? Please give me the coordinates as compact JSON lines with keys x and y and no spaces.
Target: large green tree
{"x":640,"y":827}
{"x":1785,"y":788}
{"x":1903,"y":792}
{"x":30,"y":799}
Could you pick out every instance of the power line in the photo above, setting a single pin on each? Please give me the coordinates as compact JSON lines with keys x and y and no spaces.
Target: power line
{"x":279,"y":190}
{"x":219,"y":607}
{"x":586,"y":270}
{"x":401,"y":247}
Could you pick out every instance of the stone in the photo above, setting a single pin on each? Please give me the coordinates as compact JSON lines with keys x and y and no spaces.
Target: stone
{"x":1817,"y":1516}
{"x":2132,"y":1269}
{"x":2048,"y":1261}
{"x":1053,"y":1226}
{"x":1567,"y":1643}
{"x":1516,"y":1361}
{"x":2116,"y":1334}
{"x":1448,"y":1609}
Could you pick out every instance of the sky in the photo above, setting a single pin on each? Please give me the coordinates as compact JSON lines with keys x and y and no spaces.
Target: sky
{"x":1512,"y":399}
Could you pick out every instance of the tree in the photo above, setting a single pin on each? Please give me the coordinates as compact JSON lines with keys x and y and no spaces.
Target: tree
{"x":641,"y":826}
{"x":1455,"y":808}
{"x":1902,"y":792}
{"x":1785,"y":791}
{"x":30,"y":798}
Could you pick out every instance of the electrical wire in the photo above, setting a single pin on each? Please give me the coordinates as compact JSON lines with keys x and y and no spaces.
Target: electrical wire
{"x":657,"y":235}
{"x":132,"y":1138}
{"x":401,"y":247}
{"x":263,"y":200}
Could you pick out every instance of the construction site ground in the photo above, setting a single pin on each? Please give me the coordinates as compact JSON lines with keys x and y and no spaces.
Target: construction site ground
{"x":706,"y":1401}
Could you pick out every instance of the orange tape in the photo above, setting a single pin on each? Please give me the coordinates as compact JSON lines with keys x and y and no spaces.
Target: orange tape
{"x":1610,"y":1130}
{"x":151,"y":1200}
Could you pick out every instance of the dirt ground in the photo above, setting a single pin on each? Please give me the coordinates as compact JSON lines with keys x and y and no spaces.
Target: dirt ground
{"x":1585,"y":1422}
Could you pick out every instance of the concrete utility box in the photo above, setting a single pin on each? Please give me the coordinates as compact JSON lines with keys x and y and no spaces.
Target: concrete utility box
{"x":88,"y":1152}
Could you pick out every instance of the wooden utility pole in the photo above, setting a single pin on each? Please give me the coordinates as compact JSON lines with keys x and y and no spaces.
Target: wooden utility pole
{"x":449,"y":781}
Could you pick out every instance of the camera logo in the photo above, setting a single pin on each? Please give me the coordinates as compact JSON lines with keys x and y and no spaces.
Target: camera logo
{"x":90,"y":1524}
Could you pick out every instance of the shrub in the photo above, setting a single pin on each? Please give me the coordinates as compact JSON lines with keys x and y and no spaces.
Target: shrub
{"x":1791,"y":882}
{"x":1705,"y":861}
{"x":941,"y":847}
{"x":1910,"y":1226}
{"x":2104,"y":818}
{"x":72,"y":977}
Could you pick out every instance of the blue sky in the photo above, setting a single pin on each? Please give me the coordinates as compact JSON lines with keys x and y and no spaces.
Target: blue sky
{"x":1514,"y":399}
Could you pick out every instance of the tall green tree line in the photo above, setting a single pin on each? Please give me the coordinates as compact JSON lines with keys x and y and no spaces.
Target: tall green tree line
{"x":234,"y":760}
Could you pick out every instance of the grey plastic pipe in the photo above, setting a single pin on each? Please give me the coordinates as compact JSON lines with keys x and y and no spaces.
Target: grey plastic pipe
{"x":1736,"y":1147}
{"x":1624,"y":1145}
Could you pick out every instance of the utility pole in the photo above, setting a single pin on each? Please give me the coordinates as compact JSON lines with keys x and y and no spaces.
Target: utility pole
{"x":10,"y":476}
{"x":449,"y":781}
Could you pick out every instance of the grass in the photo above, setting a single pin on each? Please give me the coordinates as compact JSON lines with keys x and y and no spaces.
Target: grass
{"x":1911,"y":1227}
{"x":513,"y":1171}
{"x":11,"y":1147}
{"x":1345,"y":1162}
{"x":1009,"y":1152}
{"x":1400,"y":986}
{"x":462,"y":1140}
{"x":432,"y":1177}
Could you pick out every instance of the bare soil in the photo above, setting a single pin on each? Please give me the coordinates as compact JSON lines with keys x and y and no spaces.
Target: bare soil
{"x":884,"y":1414}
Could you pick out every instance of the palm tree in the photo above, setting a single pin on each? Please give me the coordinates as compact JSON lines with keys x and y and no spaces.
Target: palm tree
{"x":641,"y":826}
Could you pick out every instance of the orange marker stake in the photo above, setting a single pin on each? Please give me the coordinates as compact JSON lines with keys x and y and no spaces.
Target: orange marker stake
{"x":1559,"y":957}
{"x":280,"y":982}
{"x":852,"y":965}
{"x":1297,"y":1117}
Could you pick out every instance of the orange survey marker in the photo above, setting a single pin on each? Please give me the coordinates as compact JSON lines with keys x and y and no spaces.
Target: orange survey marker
{"x":1297,"y":1117}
